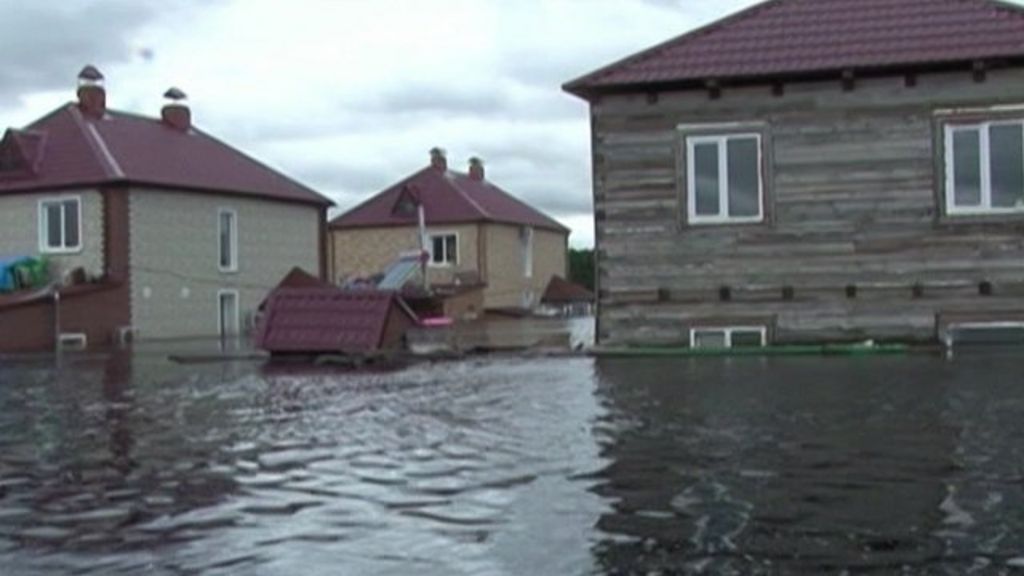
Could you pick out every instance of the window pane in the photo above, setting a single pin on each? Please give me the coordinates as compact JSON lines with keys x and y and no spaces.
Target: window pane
{"x":437,"y":253}
{"x":1006,"y":145}
{"x":54,"y":226}
{"x":452,"y":252}
{"x":71,"y":223}
{"x":746,"y":339}
{"x":966,"y":168}
{"x":705,"y":178}
{"x":227,"y":224}
{"x":744,"y":184}
{"x":709,"y":339}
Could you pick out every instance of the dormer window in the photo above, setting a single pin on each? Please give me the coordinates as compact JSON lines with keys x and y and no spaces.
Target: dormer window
{"x":405,"y":207}
{"x":9,"y":159}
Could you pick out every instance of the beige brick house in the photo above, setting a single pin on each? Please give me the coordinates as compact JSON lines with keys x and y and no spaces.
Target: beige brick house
{"x":476,"y":234}
{"x":169,"y":232}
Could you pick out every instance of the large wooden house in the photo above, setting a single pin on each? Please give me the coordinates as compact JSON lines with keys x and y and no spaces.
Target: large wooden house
{"x":814,"y":170}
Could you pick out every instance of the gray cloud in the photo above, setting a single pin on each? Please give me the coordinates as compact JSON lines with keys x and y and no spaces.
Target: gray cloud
{"x":45,"y":44}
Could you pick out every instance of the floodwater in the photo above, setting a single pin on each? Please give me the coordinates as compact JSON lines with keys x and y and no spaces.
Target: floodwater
{"x":504,"y":465}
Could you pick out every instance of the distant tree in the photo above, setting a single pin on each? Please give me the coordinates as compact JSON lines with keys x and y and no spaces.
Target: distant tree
{"x":581,"y":267}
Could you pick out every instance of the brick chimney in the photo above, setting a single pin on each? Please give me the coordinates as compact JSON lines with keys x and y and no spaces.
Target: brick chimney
{"x":476,"y":169}
{"x":176,"y":113}
{"x":439,"y":159}
{"x":92,"y":96}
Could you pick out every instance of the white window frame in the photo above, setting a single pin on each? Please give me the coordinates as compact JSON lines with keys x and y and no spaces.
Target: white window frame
{"x":985,"y":159}
{"x":233,"y":266}
{"x":526,"y":239}
{"x":44,"y":247}
{"x":430,"y":248}
{"x":728,"y":332}
{"x":220,"y":313}
{"x":723,"y":217}
{"x":995,"y":325}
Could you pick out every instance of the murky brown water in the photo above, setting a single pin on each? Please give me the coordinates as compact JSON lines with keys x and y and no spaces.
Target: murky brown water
{"x":511,"y":466}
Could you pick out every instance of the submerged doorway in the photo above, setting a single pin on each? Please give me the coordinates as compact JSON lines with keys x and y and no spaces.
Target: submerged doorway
{"x":227,"y":304}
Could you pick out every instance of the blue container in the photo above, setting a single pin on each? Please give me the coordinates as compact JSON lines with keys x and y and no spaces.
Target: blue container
{"x":8,"y":282}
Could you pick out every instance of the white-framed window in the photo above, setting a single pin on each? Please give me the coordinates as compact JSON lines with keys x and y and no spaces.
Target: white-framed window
{"x":724,"y":183}
{"x":729,"y":337}
{"x":60,"y":225}
{"x":444,"y":249}
{"x":228,"y":314}
{"x":526,"y":245}
{"x":968,"y":333}
{"x":985,"y":168}
{"x":227,"y":240}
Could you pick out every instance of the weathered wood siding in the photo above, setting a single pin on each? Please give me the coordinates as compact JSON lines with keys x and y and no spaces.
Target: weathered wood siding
{"x":853,"y":198}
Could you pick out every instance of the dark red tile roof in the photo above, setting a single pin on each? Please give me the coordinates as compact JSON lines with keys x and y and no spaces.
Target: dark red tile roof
{"x":326,"y":320}
{"x":448,"y":197}
{"x":73,"y":149}
{"x":561,"y":291}
{"x":803,"y":37}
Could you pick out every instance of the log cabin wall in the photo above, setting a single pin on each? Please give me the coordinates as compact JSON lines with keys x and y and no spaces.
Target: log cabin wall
{"x":855,"y":243}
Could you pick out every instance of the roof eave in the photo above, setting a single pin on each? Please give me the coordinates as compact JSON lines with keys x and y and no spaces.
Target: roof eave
{"x":591,"y":91}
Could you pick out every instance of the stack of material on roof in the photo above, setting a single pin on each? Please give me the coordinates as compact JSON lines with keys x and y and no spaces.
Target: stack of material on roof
{"x":326,"y":320}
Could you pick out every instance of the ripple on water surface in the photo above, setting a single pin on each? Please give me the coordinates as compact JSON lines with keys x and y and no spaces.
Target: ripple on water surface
{"x":127,"y":465}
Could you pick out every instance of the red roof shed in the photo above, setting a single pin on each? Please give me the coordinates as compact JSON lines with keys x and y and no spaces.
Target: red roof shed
{"x":329,"y":320}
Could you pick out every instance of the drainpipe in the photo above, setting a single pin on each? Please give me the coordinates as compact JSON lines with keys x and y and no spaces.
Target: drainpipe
{"x":423,"y":242}
{"x":56,"y":321}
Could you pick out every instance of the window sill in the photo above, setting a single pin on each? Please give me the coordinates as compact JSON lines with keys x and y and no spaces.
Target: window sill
{"x":228,"y":270}
{"x":981,"y":216}
{"x":724,"y":222}
{"x":60,"y":251}
{"x":441,"y":266}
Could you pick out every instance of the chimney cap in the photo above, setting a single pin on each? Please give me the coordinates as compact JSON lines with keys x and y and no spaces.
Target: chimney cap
{"x":175,"y":94}
{"x":439,"y":159}
{"x":90,"y":73}
{"x":476,"y":168}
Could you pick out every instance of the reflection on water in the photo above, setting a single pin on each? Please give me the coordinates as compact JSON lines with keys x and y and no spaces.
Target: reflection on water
{"x":130,"y":464}
{"x":866,"y":465}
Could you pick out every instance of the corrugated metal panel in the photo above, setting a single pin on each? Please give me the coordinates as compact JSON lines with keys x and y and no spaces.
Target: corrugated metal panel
{"x":324,"y":320}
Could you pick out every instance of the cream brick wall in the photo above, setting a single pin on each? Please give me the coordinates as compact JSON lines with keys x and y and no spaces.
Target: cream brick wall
{"x":507,"y":284}
{"x":364,"y":252}
{"x":174,"y":257}
{"x":19,"y":231}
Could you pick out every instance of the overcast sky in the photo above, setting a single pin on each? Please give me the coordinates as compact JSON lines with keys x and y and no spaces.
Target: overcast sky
{"x":348,"y":96}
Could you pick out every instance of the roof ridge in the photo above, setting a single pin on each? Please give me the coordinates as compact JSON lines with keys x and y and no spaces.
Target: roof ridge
{"x":521,"y":203}
{"x":574,"y":85}
{"x":96,"y":144}
{"x":259,"y":163}
{"x":245,"y":155}
{"x":484,"y":213}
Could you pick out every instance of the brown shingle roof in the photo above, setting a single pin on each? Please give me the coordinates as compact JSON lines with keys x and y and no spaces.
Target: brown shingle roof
{"x":806,"y":37}
{"x":67,"y":148}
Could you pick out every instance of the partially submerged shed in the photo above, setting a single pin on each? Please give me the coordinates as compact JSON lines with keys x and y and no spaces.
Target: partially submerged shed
{"x":327,"y":320}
